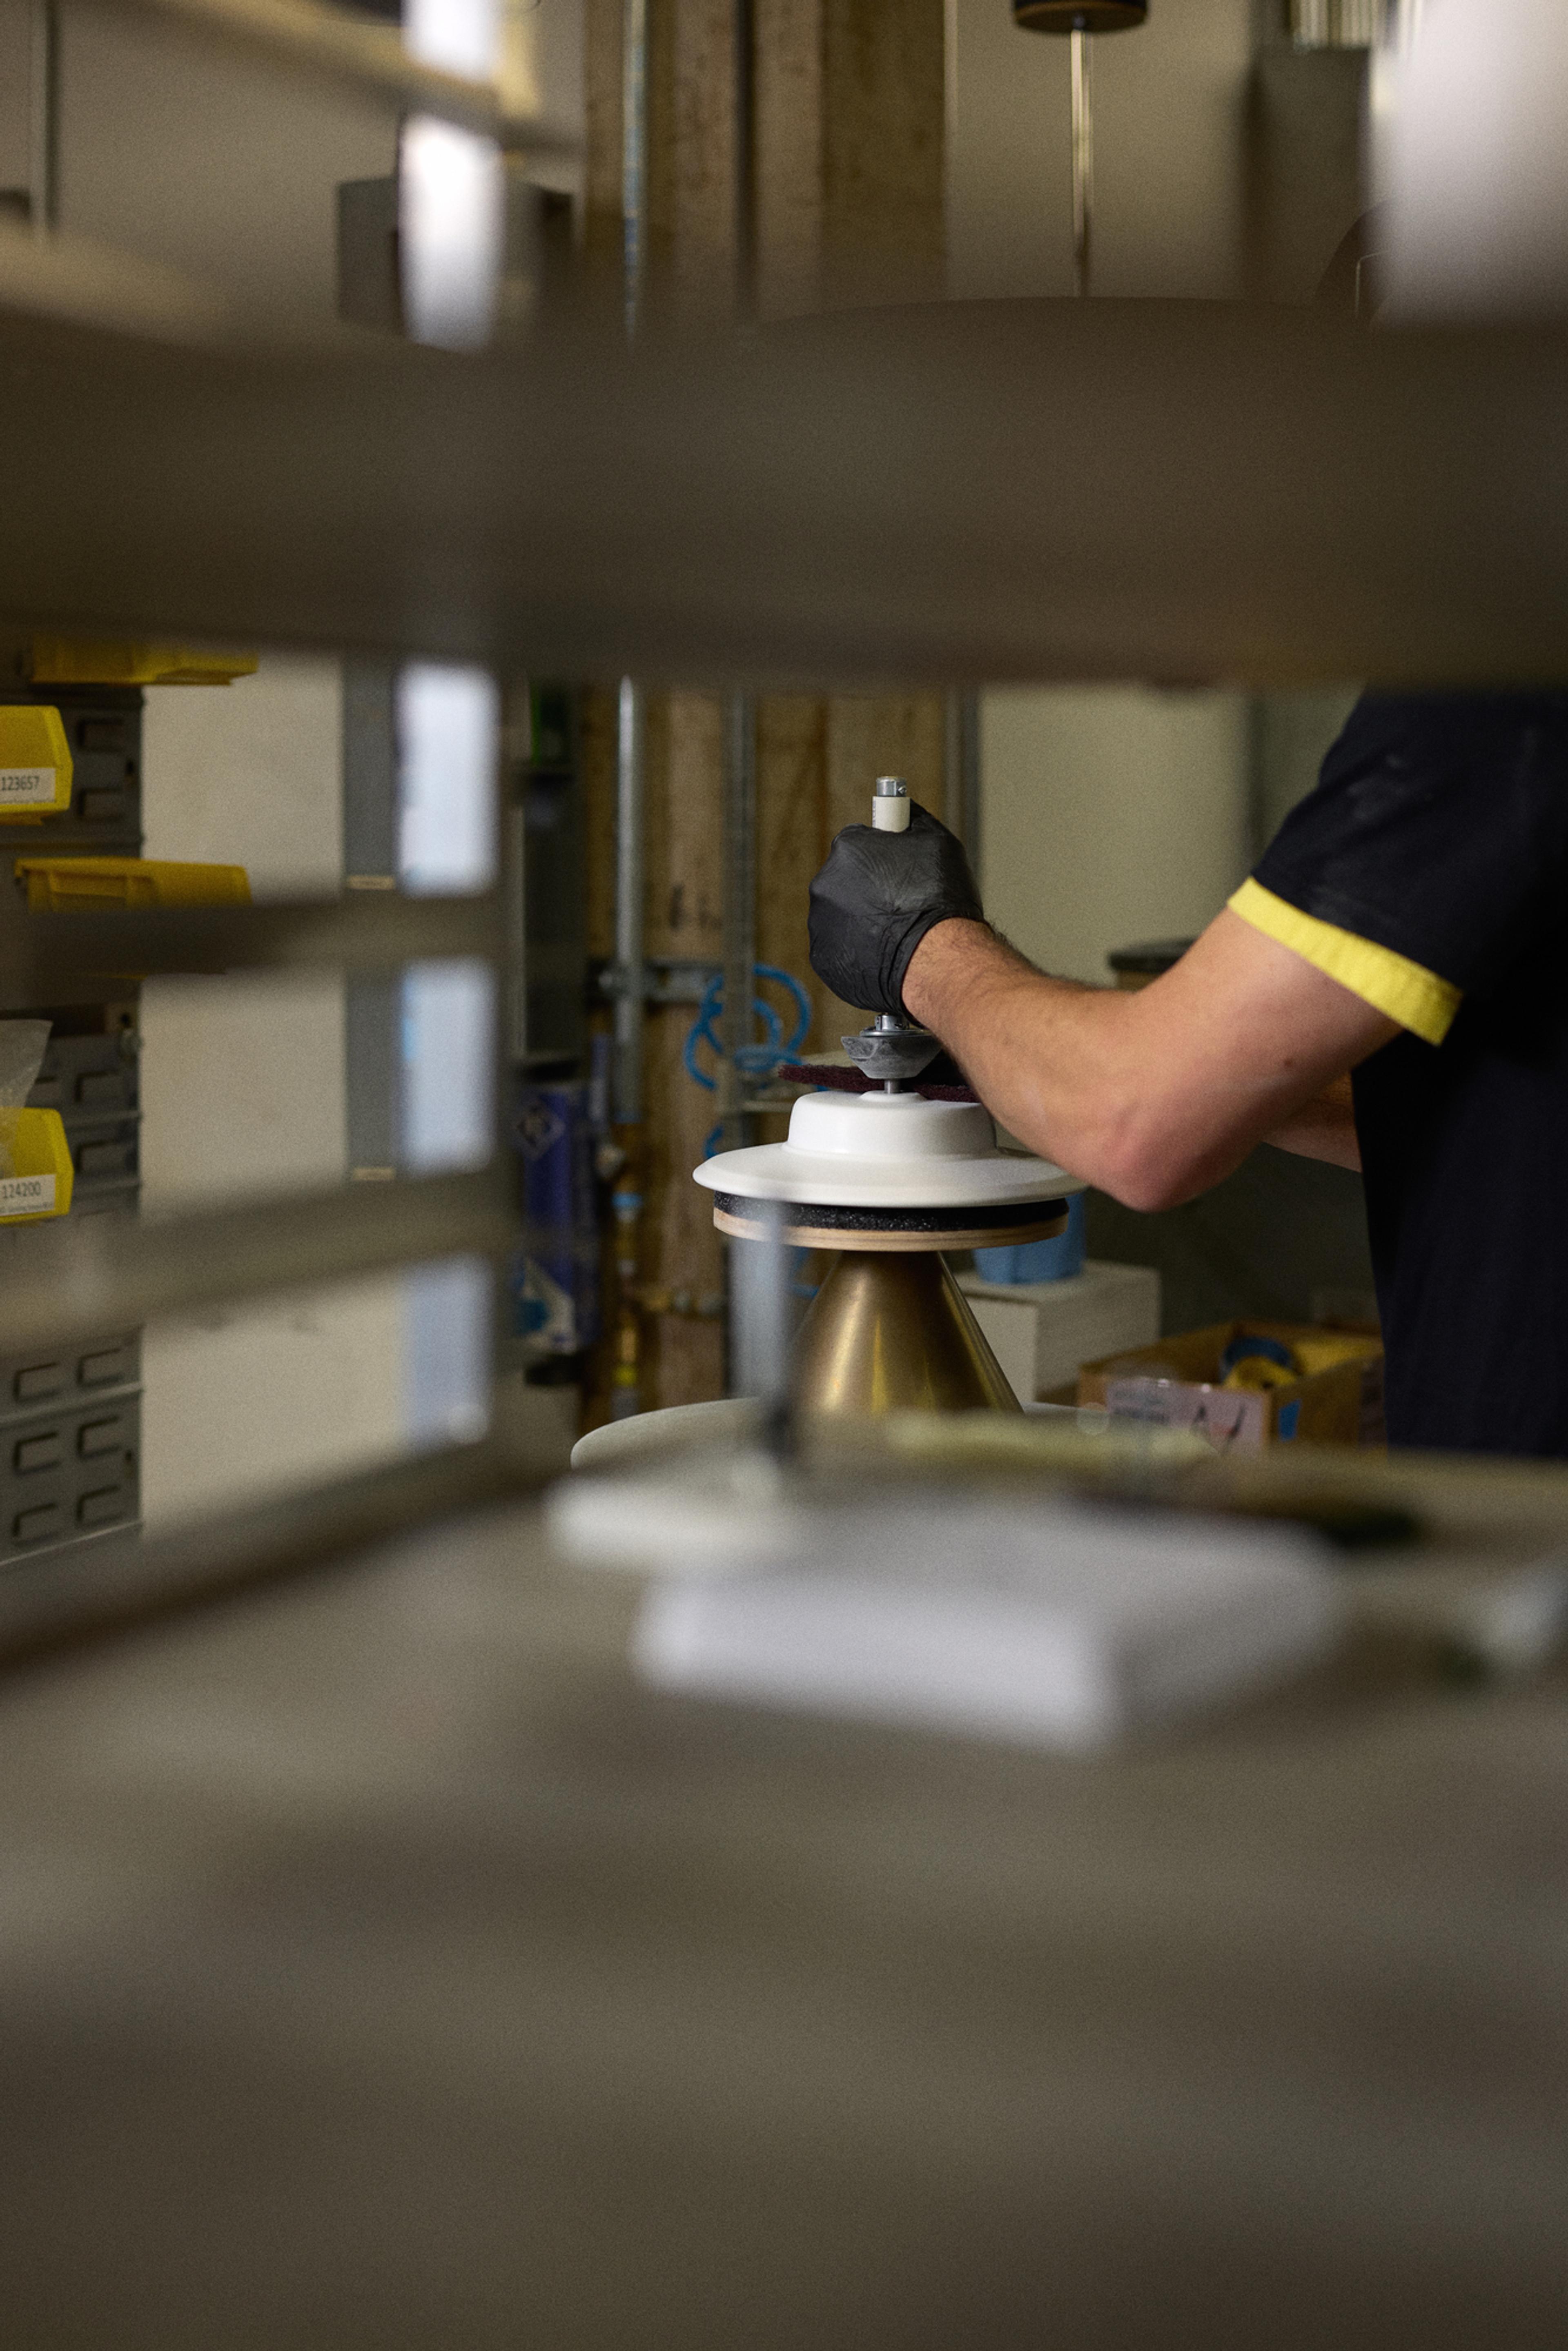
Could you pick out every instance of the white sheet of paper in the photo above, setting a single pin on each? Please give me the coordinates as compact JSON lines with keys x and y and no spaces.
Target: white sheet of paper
{"x":1055,"y":1624}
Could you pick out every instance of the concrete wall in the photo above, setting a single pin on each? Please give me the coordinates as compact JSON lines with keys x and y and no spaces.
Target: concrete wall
{"x":1291,"y":734}
{"x":1110,"y":815}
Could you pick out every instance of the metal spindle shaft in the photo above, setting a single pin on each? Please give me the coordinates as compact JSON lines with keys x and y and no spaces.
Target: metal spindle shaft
{"x":745,"y":30}
{"x":739,"y":909}
{"x":1083,"y":158}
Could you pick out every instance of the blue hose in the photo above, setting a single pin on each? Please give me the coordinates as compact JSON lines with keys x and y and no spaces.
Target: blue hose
{"x":758,"y":1060}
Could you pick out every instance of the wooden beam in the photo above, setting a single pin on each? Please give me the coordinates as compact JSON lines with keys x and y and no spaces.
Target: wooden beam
{"x":848,"y":162}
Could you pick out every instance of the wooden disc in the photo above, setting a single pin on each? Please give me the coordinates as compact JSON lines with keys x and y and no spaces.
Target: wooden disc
{"x":1040,"y":1223}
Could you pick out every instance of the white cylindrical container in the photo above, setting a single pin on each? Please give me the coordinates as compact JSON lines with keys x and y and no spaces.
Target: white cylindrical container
{"x":890,"y":805}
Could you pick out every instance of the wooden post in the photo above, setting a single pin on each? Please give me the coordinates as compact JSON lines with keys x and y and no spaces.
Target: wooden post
{"x":848,"y":100}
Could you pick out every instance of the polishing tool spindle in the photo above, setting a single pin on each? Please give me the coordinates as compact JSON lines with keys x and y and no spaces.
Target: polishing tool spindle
{"x":889,"y":1051}
{"x":890,"y":805}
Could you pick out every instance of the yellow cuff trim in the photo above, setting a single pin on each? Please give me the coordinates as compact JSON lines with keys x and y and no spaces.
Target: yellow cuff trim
{"x":1390,"y":983}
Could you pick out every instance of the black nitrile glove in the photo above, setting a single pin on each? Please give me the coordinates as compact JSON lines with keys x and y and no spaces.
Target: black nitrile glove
{"x":876,"y":899}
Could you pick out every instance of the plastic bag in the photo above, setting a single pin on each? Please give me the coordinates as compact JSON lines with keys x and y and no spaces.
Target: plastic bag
{"x":22,"y":1047}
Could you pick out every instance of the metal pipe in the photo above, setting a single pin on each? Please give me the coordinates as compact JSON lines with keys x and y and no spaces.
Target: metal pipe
{"x":44,"y":119}
{"x":739,"y":849}
{"x":630,"y":961}
{"x":746,"y":253}
{"x":760,"y":1319}
{"x":740,"y":910}
{"x":626,"y":1080}
{"x":962,"y":771}
{"x":1082,"y":157}
{"x":634,"y":159}
{"x":628,"y":891}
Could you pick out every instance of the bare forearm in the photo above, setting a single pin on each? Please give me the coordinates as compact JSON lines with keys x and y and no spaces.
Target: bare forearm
{"x":1045,"y":1055}
{"x":1153,"y":1096}
{"x":1323,"y":1128}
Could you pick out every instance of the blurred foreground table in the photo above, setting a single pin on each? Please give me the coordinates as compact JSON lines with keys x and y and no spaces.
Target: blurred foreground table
{"x":381,"y":1968}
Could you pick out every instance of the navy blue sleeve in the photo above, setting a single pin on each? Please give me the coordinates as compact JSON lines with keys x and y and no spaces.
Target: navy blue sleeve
{"x":1439,"y":829}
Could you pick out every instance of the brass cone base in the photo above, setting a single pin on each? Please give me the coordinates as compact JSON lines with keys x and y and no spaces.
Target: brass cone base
{"x":895,"y":1333}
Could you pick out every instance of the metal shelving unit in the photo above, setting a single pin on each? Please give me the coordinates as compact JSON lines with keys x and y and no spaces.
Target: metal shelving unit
{"x":965,"y":492}
{"x":71,"y":1419}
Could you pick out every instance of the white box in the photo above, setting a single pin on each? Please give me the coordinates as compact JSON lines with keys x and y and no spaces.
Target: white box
{"x":1048,"y":1625}
{"x":1039,"y":1332}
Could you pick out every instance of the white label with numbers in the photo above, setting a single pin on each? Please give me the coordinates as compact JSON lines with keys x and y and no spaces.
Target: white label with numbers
{"x":25,"y":1196}
{"x":1226,"y":1416}
{"x":26,"y":787}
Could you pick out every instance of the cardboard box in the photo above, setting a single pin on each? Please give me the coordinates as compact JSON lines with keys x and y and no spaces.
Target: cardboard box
{"x":1174,"y":1382}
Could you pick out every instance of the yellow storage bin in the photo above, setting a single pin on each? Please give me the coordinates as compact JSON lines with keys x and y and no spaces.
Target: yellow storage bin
{"x":83,"y":660}
{"x":75,"y":885}
{"x":34,"y":763}
{"x":44,"y":1179}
